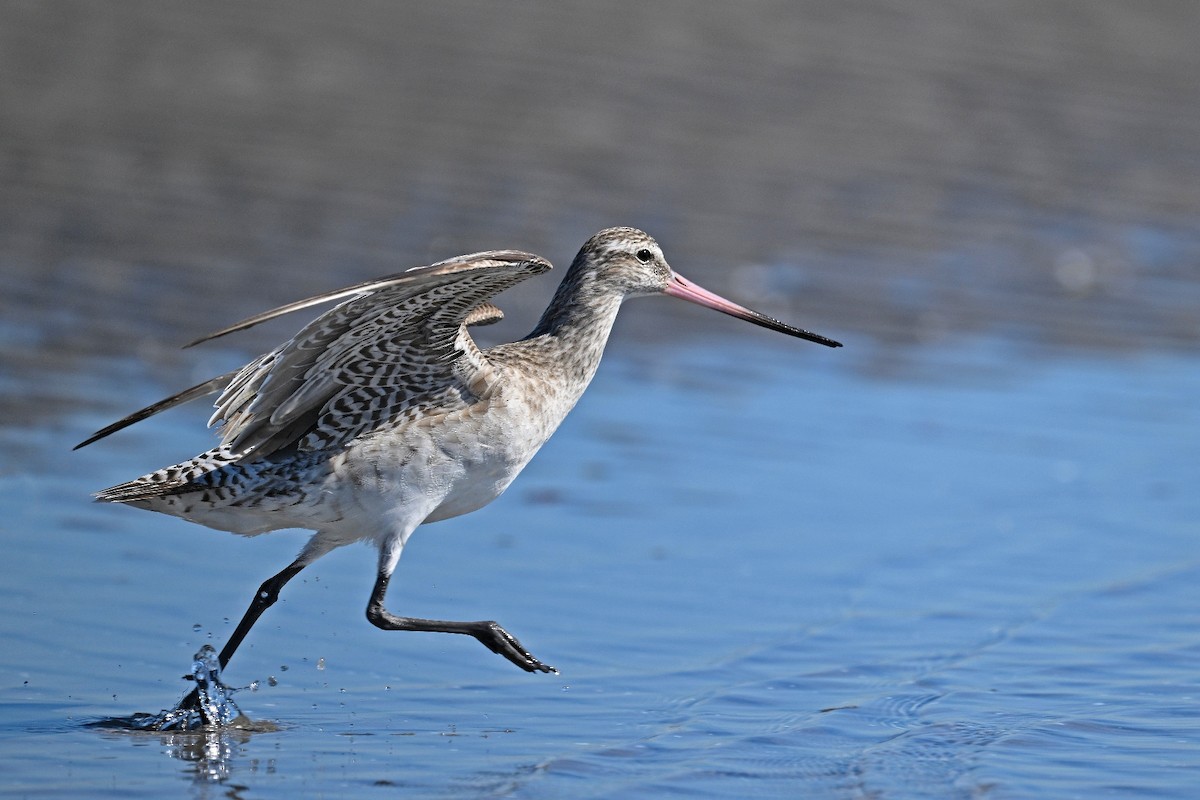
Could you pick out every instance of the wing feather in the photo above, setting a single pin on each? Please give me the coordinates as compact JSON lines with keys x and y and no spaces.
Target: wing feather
{"x":210,"y":386}
{"x":396,"y":344}
{"x":391,"y":346}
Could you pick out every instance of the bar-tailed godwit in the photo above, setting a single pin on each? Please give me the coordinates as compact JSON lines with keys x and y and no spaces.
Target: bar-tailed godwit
{"x":382,"y":414}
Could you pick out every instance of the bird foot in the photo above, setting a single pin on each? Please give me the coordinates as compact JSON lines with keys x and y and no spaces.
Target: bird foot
{"x":500,"y":641}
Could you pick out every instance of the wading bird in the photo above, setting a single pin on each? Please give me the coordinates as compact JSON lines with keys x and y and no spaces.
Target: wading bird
{"x":382,"y":413}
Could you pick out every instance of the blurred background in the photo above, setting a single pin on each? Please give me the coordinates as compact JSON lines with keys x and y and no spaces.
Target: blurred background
{"x":923,"y":562}
{"x":898,"y":173}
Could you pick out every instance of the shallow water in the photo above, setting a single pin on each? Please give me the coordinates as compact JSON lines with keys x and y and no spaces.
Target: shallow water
{"x":958,"y":557}
{"x":759,"y":572}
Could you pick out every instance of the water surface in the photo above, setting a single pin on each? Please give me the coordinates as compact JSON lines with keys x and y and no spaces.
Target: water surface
{"x":758,"y":571}
{"x":958,"y":557}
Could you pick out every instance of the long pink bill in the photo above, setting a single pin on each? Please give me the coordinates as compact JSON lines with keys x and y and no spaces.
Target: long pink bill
{"x":683,"y":288}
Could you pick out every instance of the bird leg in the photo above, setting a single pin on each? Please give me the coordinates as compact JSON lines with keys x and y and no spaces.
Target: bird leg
{"x":264,"y":598}
{"x":489,"y":633}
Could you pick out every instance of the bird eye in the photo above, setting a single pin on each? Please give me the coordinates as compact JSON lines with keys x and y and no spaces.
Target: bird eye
{"x":644,"y":256}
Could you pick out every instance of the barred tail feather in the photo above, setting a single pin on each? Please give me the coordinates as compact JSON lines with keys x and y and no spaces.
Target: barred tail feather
{"x":172,"y":480}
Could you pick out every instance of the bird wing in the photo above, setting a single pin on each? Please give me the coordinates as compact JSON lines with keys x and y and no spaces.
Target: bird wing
{"x":394,"y":346}
{"x":210,"y":386}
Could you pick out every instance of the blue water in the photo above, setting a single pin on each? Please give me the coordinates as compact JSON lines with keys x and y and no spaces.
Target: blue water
{"x":762,"y":569}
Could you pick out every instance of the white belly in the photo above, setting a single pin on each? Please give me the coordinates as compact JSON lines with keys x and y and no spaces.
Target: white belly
{"x":445,"y":468}
{"x":430,"y":469}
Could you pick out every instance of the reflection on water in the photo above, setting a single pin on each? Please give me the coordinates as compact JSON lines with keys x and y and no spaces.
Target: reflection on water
{"x":213,"y":752}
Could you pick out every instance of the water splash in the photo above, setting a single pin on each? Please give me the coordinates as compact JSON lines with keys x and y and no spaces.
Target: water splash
{"x":214,"y":704}
{"x":205,"y":728}
{"x":210,"y":706}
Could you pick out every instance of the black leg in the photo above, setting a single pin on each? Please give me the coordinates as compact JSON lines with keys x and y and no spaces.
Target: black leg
{"x":489,"y":633}
{"x":264,"y":598}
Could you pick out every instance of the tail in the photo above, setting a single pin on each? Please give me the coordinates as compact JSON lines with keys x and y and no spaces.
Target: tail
{"x":168,"y":481}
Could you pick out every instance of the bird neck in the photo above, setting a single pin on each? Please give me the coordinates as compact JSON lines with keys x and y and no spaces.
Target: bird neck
{"x":576,"y":325}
